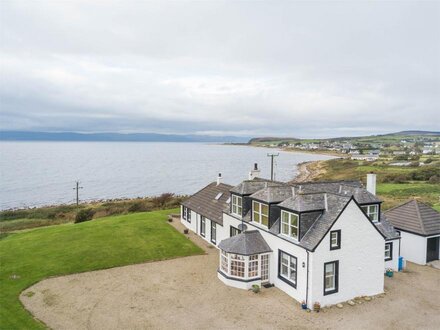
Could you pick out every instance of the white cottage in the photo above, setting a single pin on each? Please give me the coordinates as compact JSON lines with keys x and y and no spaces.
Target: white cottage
{"x":323,"y":242}
{"x":419,"y":227}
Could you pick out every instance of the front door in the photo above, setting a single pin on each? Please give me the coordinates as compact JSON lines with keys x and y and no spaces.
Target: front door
{"x":264,"y":268}
{"x":432,"y":246}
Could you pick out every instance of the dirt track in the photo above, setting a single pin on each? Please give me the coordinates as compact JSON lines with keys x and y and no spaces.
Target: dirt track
{"x":186,"y":294}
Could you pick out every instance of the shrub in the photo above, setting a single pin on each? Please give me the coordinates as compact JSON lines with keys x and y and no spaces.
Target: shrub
{"x":434,"y":179}
{"x":428,"y":161}
{"x":139,"y":206}
{"x":161,"y":200}
{"x":84,"y":215}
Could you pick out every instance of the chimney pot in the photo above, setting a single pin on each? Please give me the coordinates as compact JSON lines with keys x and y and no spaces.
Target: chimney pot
{"x":255,"y":172}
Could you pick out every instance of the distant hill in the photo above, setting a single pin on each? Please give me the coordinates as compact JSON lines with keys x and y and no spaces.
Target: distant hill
{"x":115,"y":137}
{"x":415,"y":133}
{"x":396,"y":135}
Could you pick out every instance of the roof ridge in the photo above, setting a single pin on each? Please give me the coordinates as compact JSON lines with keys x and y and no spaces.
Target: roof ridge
{"x":395,"y":207}
{"x":422,"y":225}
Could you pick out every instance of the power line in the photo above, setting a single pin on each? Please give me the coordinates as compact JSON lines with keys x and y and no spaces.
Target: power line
{"x":272,"y":156}
{"x":77,"y":188}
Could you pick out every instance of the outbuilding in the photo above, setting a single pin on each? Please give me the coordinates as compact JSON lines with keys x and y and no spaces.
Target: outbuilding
{"x":419,"y":227}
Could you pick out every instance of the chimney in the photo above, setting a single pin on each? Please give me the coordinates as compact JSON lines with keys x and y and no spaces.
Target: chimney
{"x":371,"y":183}
{"x":255,"y":173}
{"x":325,"y":202}
{"x":219,"y":179}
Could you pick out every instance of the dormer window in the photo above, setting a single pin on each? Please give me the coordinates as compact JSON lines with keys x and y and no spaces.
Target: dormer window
{"x":237,"y":205}
{"x":372,"y":211}
{"x":289,"y":224}
{"x":260,"y":213}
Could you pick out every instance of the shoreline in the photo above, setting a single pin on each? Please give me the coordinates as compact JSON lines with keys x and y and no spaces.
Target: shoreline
{"x":308,"y":171}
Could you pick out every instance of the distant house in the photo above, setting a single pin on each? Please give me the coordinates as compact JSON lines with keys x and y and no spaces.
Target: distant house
{"x":419,"y":227}
{"x":371,"y":155}
{"x":399,"y":152}
{"x":323,"y":242}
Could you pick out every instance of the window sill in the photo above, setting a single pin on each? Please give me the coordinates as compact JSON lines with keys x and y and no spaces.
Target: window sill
{"x":282,"y":278}
{"x":326,"y":293}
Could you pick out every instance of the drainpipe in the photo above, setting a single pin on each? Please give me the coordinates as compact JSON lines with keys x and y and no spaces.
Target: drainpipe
{"x":307,"y":281}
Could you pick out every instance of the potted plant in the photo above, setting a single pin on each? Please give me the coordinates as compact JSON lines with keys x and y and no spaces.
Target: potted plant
{"x":303,"y":305}
{"x":317,"y":307}
{"x":389,"y":272}
{"x":255,"y":288}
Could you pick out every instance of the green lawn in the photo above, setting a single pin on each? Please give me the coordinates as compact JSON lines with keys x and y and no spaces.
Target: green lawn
{"x":28,"y":257}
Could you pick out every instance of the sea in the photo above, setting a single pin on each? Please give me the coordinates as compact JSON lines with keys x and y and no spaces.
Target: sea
{"x":45,"y":173}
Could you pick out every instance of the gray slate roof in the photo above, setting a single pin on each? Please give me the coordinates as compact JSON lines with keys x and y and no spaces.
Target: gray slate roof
{"x":343,"y":188}
{"x":415,"y":217}
{"x":247,"y":243}
{"x":324,"y":222}
{"x":248,"y":187}
{"x":386,"y":228}
{"x":203,"y":202}
{"x":273,"y":194}
{"x":304,"y":202}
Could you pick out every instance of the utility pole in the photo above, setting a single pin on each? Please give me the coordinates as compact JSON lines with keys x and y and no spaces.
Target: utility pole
{"x":272,"y":156}
{"x":77,"y":188}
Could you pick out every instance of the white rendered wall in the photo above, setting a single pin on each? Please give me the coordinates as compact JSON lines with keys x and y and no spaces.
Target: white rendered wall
{"x":276,"y":243}
{"x":237,"y":283}
{"x":413,"y":248}
{"x":195,"y":227}
{"x":394,"y":263}
{"x":361,"y":259}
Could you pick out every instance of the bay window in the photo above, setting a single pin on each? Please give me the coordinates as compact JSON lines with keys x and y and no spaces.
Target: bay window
{"x":237,"y":265}
{"x":241,"y":266}
{"x":260,"y":213}
{"x":289,"y":224}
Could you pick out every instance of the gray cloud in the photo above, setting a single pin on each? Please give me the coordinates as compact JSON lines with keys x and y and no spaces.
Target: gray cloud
{"x":246,"y":68}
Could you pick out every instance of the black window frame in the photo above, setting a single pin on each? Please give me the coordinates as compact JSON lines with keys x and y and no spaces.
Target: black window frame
{"x":336,"y":289}
{"x":202,"y":222}
{"x":214,"y":225}
{"x":231,"y":229}
{"x":281,"y":277}
{"x":338,"y":246}
{"x":391,"y":251}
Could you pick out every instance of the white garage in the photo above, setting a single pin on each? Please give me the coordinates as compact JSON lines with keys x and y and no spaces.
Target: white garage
{"x":419,"y":226}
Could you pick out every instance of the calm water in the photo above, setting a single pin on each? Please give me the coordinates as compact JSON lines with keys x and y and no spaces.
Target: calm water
{"x":44,"y":173}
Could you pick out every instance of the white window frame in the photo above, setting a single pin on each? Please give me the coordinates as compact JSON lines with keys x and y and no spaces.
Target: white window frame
{"x":202,"y":226}
{"x":232,"y":264}
{"x":372,"y":211}
{"x":333,"y":276}
{"x":237,"y":205}
{"x":288,"y":267}
{"x":186,"y":214}
{"x":253,"y":265}
{"x":388,"y":251}
{"x":257,"y":209}
{"x":213,"y":237}
{"x":287,"y":227}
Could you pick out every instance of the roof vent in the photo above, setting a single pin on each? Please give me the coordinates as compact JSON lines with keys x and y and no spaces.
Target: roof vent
{"x":325,"y":202}
{"x":293,"y":191}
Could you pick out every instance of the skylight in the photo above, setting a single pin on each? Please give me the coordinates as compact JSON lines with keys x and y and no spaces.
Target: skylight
{"x":218,"y":196}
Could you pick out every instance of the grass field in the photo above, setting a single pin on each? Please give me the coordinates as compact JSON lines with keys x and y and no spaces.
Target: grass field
{"x":28,"y":257}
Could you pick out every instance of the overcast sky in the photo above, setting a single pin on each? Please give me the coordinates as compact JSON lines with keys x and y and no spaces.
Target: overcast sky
{"x":304,"y":69}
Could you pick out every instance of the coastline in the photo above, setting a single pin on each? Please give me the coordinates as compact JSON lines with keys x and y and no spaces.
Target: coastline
{"x":309,"y":171}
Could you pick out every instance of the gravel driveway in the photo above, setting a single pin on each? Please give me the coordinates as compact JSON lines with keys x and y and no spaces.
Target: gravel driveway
{"x":185,"y":293}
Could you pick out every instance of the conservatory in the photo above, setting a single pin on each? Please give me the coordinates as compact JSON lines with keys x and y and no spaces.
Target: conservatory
{"x":244,"y":260}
